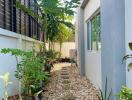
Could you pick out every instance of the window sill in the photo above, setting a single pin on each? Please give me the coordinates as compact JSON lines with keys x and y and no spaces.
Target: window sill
{"x":94,"y":51}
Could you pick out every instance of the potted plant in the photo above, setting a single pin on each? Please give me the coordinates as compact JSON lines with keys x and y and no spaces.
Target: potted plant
{"x":128,"y":56}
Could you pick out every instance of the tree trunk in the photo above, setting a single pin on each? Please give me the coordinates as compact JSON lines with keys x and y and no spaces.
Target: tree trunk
{"x":60,"y":48}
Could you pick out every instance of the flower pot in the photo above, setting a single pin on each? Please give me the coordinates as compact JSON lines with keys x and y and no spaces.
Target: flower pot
{"x":27,"y":97}
{"x":24,"y":97}
{"x":15,"y":97}
{"x":130,"y":46}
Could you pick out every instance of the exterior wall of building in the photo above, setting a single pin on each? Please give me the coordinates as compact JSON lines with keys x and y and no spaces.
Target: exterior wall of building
{"x":92,"y":59}
{"x":10,"y":39}
{"x":113,"y":44}
{"x":116,"y":22}
{"x":128,"y":37}
{"x":80,"y":39}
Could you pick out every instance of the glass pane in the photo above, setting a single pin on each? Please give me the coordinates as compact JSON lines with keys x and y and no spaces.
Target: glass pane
{"x":95,"y":33}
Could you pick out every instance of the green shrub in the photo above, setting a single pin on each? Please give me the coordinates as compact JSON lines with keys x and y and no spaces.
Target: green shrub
{"x":51,"y":54}
{"x":125,"y":93}
{"x":29,"y":70}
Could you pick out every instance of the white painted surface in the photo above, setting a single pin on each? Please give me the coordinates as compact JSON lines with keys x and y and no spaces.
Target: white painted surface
{"x":93,"y":68}
{"x":91,"y":8}
{"x":128,"y":33}
{"x":92,"y":58}
{"x":7,"y":62}
{"x":66,"y":47}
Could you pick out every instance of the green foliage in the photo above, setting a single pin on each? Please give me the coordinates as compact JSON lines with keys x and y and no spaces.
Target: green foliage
{"x":16,"y":52}
{"x":29,"y":70}
{"x":55,"y":13}
{"x":105,"y":95}
{"x":125,"y":94}
{"x":96,"y":30}
{"x":64,"y":34}
{"x":129,"y":57}
{"x":26,"y":9}
{"x":49,"y":56}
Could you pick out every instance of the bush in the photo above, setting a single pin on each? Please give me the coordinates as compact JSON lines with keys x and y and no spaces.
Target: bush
{"x":29,"y":70}
{"x":125,"y":93}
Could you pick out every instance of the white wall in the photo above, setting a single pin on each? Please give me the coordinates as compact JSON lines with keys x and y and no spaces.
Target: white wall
{"x":66,"y":47}
{"x":7,"y":62}
{"x":92,"y":58}
{"x":128,"y":34}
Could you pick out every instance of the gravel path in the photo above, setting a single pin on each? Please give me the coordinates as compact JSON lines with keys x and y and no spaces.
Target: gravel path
{"x":67,"y":84}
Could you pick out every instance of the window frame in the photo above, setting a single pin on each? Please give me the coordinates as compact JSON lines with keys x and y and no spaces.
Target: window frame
{"x":89,"y":32}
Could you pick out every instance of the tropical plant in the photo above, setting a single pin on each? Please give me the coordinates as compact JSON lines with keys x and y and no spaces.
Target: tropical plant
{"x":125,"y":93}
{"x":29,"y":70}
{"x":55,"y":13}
{"x":105,"y":95}
{"x":5,"y":78}
{"x":65,"y":33}
{"x":128,"y":57}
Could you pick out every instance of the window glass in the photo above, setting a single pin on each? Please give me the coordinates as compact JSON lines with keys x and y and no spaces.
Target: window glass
{"x":94,"y":32}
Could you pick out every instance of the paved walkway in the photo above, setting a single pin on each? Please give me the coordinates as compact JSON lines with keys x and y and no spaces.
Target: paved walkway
{"x":67,"y":84}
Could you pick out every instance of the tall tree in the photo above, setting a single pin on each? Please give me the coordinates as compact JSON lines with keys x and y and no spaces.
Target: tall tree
{"x":55,"y":15}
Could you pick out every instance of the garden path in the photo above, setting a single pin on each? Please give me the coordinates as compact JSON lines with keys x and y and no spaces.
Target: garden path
{"x":67,"y":84}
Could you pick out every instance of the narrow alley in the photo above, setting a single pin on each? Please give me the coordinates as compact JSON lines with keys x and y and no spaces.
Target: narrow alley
{"x":67,"y":84}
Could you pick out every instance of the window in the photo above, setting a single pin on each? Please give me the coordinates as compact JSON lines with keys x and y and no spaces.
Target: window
{"x":93,"y":33}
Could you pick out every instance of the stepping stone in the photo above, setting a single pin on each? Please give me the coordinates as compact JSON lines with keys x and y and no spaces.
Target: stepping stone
{"x":65,"y":81}
{"x":64,"y":68}
{"x":65,"y":77}
{"x":69,"y":97}
{"x":64,"y":73}
{"x":66,"y":86}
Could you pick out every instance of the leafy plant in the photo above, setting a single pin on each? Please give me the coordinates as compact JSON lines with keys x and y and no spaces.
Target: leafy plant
{"x":128,"y":57}
{"x":5,"y":78}
{"x":64,"y":34}
{"x":125,"y":94}
{"x":105,"y":95}
{"x":55,"y":13}
{"x":29,"y":70}
{"x":49,"y":57}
